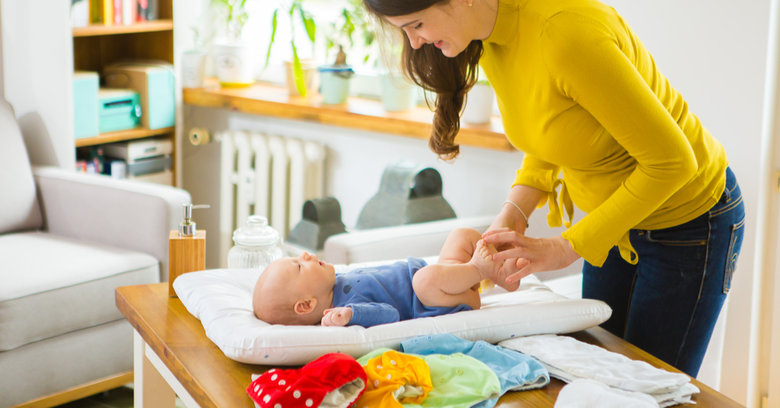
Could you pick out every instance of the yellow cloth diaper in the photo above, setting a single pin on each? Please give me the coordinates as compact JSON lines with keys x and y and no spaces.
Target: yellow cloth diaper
{"x":395,"y":378}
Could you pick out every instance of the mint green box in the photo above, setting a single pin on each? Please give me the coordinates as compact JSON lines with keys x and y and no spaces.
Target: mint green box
{"x":156,"y":88}
{"x":119,"y":109}
{"x":85,"y":104}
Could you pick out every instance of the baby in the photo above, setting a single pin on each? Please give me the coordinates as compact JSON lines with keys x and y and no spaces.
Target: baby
{"x":306,"y":291}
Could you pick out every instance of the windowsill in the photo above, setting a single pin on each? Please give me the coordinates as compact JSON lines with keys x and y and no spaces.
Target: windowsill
{"x":357,"y":113}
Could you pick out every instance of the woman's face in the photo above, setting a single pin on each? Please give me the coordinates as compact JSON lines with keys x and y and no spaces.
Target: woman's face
{"x":445,"y":25}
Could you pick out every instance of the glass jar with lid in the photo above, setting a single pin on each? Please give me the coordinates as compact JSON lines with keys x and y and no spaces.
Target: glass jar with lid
{"x":256,"y":245}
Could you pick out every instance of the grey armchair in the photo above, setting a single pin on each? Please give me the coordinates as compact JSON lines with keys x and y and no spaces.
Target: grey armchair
{"x":66,"y":241}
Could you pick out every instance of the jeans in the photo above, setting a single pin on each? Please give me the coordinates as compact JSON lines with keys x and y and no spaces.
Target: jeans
{"x":667,"y":304}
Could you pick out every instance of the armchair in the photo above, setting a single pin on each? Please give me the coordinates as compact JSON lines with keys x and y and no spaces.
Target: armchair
{"x":66,"y":241}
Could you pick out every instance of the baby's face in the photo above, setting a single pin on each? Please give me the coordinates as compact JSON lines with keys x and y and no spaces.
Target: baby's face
{"x":307,"y":275}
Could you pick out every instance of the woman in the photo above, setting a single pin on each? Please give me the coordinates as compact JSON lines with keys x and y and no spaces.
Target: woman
{"x":601,"y":128}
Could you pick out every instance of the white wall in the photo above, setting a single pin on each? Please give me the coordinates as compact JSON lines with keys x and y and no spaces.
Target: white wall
{"x":37,"y":60}
{"x":2,"y":90}
{"x":714,"y":52}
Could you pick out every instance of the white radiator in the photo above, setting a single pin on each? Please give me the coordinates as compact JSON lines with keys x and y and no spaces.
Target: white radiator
{"x":266,"y":175}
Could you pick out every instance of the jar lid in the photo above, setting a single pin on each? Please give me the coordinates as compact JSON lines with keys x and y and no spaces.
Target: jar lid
{"x":256,"y":232}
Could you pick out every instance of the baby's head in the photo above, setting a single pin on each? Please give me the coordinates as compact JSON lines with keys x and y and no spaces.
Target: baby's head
{"x":294,"y":291}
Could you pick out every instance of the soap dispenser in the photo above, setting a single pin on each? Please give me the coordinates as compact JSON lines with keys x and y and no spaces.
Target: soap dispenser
{"x":186,"y":248}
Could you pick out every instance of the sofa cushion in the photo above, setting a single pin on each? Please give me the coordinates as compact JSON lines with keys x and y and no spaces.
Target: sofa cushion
{"x":53,"y":285}
{"x":19,"y":207}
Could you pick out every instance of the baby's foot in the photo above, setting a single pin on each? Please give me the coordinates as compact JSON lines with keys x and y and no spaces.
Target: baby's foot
{"x":483,"y":260}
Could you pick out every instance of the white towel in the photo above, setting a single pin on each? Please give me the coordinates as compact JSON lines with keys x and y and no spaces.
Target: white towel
{"x":583,"y":393}
{"x":569,"y":359}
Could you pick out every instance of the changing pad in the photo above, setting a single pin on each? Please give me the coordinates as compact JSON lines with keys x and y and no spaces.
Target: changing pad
{"x":222,"y":300}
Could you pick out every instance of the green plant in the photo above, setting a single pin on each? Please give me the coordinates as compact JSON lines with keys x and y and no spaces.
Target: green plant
{"x":352,"y":27}
{"x":235,"y":16}
{"x":297,"y":15}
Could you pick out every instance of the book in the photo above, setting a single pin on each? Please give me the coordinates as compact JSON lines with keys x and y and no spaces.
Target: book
{"x":79,"y":13}
{"x":128,"y":11}
{"x":142,"y":8}
{"x":146,"y":10}
{"x":101,"y":12}
{"x":117,"y":5}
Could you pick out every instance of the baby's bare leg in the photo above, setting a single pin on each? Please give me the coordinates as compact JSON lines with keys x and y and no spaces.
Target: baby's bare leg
{"x":459,"y":246}
{"x":453,"y":280}
{"x":447,"y":285}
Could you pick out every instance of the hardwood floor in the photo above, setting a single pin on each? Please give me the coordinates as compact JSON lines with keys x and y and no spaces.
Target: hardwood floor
{"x":121,"y":397}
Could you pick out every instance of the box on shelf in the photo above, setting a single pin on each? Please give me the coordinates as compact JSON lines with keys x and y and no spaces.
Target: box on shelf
{"x":85,"y":104}
{"x":155,"y":85}
{"x":145,"y":160}
{"x":119,"y":109}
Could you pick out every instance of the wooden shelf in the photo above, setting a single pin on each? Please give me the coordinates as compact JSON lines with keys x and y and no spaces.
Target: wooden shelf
{"x":358,"y":113}
{"x":122,"y":135}
{"x":144,"y":27}
{"x":97,"y":46}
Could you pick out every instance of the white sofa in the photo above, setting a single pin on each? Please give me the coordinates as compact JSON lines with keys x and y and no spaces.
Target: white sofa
{"x":66,"y":241}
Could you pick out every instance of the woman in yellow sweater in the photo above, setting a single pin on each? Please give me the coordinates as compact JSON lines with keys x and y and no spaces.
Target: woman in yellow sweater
{"x":602,"y":129}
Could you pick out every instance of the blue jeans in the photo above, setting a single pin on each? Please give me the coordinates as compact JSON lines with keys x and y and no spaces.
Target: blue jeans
{"x":669,"y":302}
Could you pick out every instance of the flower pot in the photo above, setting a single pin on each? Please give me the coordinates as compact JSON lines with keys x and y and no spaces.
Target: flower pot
{"x":479,"y":104}
{"x":334,"y":83}
{"x":193,"y":68}
{"x":309,"y":77}
{"x":234,"y":64}
{"x":398,"y":94}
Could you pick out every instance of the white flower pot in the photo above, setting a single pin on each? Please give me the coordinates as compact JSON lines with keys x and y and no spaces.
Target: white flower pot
{"x":398,"y":94}
{"x":193,"y":68}
{"x":479,"y":104}
{"x":334,"y":83}
{"x":235,"y":64}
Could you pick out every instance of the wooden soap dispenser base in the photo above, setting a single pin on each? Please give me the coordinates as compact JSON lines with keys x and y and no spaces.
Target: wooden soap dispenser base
{"x":186,"y":248}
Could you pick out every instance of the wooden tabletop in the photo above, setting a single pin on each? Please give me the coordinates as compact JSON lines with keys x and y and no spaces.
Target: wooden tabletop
{"x":214,"y":380}
{"x":356,"y":113}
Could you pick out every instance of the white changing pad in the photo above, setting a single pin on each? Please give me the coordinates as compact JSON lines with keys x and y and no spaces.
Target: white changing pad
{"x":222,"y":300}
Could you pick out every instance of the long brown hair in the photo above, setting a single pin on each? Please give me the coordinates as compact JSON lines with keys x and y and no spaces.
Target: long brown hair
{"x":449,"y":78}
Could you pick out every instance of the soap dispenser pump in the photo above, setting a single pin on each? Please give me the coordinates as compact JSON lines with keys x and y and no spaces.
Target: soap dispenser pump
{"x":186,"y":248}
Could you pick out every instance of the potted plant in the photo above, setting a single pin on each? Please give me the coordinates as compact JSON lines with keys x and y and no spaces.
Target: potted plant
{"x":300,"y":73}
{"x":193,"y":62}
{"x":233,"y":58}
{"x":479,"y":103}
{"x":398,"y":92}
{"x":335,"y":78}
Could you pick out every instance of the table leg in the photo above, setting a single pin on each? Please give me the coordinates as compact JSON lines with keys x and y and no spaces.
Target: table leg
{"x":151,"y":390}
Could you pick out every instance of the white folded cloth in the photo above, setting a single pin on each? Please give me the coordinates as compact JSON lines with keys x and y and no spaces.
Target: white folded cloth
{"x":569,"y":359}
{"x":584,"y":393}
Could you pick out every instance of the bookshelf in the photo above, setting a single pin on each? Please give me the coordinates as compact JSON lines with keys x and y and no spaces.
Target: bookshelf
{"x":97,"y":45}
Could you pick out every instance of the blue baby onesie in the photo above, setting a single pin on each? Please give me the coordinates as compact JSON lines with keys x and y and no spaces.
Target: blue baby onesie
{"x":515,"y":371}
{"x":383,"y":294}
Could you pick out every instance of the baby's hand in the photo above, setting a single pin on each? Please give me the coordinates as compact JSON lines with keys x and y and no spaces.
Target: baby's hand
{"x":337,"y":316}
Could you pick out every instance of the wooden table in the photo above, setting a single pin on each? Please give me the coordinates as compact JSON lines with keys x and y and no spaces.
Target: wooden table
{"x":173,"y":356}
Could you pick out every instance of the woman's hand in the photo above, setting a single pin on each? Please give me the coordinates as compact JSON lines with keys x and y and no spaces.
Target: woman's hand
{"x":337,"y":316}
{"x":530,"y":255}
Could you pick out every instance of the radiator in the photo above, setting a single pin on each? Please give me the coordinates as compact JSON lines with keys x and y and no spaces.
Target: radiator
{"x":266,"y":175}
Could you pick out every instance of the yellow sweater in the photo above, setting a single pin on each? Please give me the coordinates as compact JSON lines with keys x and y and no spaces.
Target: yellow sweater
{"x":581,"y":96}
